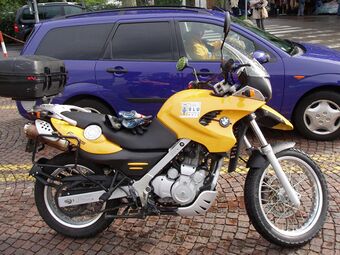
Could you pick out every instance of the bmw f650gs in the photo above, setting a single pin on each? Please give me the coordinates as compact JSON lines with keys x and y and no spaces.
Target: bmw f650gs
{"x":173,"y":167}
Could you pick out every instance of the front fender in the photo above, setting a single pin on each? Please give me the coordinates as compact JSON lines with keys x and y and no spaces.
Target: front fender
{"x":268,"y":117}
{"x":258,"y":160}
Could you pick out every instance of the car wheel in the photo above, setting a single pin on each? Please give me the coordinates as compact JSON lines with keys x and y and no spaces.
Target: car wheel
{"x":317,"y":116}
{"x":93,"y":105}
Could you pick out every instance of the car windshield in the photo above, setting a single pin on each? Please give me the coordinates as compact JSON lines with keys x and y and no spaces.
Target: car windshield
{"x":282,"y":44}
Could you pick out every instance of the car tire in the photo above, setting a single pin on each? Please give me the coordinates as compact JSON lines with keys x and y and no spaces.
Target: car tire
{"x":93,"y":105}
{"x":317,"y":116}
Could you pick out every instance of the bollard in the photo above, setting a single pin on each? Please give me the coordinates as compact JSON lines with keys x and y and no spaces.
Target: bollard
{"x":3,"y":46}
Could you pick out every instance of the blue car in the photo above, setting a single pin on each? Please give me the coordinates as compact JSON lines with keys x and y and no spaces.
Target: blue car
{"x":126,"y":59}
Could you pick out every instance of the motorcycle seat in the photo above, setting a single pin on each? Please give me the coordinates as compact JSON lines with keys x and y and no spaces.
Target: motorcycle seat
{"x":156,"y":137}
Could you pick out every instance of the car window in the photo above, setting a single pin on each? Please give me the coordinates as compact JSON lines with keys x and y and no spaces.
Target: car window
{"x":69,"y":10}
{"x":27,"y":16}
{"x":202,"y":41}
{"x":241,"y":43}
{"x":75,"y":43}
{"x":150,"y":41}
{"x":52,"y":11}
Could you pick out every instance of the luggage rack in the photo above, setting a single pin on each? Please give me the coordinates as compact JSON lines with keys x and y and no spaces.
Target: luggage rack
{"x":37,"y":169}
{"x":58,"y":109}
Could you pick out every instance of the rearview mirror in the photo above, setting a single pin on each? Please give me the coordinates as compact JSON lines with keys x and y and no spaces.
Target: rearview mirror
{"x":182,"y":63}
{"x":227,"y":22}
{"x":261,"y":56}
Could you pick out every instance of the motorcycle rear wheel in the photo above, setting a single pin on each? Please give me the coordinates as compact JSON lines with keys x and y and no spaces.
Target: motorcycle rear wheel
{"x":75,"y":221}
{"x":269,"y":208}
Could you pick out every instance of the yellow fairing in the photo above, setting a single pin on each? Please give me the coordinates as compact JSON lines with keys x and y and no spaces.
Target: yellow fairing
{"x":99,"y":146}
{"x":284,"y":123}
{"x":215,"y":137}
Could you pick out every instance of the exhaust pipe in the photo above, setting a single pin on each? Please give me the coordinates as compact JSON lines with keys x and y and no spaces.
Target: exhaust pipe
{"x":32,"y":133}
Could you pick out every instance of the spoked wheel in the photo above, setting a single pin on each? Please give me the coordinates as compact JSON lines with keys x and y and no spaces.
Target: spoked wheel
{"x":269,"y":208}
{"x":75,"y":221}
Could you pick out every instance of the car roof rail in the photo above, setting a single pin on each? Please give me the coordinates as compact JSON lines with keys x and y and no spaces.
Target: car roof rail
{"x":125,"y":9}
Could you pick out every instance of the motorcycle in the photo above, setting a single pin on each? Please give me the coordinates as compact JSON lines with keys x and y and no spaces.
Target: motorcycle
{"x":171,"y":165}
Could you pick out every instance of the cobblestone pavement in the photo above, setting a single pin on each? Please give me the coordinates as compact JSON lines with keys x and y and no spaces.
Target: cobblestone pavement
{"x":224,"y":230}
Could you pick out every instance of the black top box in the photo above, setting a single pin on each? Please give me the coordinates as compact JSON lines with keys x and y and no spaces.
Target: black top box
{"x":31,"y":77}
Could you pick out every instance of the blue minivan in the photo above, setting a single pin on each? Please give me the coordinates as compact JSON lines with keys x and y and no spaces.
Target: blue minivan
{"x":125,"y":59}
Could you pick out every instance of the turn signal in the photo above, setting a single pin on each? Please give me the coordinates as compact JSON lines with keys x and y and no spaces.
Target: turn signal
{"x":252,"y":93}
{"x":299,"y":77}
{"x":249,"y":93}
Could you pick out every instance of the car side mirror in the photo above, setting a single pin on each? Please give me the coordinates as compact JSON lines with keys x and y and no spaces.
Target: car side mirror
{"x":182,"y":63}
{"x":261,"y":56}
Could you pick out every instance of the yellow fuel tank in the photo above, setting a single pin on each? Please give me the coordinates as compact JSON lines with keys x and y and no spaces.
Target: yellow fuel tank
{"x":182,"y":112}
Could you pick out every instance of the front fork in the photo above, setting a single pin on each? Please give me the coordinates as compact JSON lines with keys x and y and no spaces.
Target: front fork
{"x":267,"y":150}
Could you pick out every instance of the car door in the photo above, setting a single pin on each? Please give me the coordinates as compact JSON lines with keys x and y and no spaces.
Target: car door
{"x":79,"y":46}
{"x":139,"y":68}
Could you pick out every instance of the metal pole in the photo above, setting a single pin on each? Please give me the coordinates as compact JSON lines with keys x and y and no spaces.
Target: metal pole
{"x":227,"y":5}
{"x":36,"y":12}
{"x":246,"y":9}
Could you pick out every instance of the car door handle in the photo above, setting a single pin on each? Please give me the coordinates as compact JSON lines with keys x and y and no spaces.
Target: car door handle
{"x":205,"y":73}
{"x":116,"y":70}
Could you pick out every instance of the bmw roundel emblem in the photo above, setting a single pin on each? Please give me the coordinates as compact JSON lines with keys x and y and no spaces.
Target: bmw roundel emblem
{"x":224,"y":122}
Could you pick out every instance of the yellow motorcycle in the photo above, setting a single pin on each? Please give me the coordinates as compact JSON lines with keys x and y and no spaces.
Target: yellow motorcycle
{"x":172,"y":167}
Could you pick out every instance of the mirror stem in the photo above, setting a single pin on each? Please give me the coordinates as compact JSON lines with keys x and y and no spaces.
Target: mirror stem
{"x":195,"y":73}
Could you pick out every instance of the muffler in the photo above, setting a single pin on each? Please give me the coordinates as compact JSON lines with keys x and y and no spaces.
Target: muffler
{"x":31,"y":132}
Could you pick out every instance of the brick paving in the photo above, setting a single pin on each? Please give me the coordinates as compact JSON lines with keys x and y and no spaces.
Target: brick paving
{"x":224,"y":230}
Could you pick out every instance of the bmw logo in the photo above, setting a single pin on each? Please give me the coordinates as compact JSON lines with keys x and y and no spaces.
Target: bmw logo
{"x":224,"y":122}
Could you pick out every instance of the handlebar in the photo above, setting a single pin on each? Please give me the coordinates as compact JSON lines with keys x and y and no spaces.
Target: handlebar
{"x":227,"y":85}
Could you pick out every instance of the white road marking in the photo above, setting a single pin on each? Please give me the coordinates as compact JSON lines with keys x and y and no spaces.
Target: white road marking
{"x":333,"y":46}
{"x":291,"y":31}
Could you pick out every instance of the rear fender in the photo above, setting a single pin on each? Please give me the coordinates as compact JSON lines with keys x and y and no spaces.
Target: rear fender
{"x":258,"y":160}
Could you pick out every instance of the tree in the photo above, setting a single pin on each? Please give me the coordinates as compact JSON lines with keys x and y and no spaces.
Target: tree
{"x":168,"y":2}
{"x":11,"y":5}
{"x":129,"y":3}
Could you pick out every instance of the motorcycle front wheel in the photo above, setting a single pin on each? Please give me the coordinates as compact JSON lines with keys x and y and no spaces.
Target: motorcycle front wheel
{"x":269,"y":208}
{"x":74,"y":221}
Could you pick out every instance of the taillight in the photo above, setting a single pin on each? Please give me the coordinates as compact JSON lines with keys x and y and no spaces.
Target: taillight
{"x":31,"y":78}
{"x":16,"y":28}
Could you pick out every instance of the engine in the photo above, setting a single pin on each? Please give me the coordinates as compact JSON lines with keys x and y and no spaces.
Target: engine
{"x":181,"y":184}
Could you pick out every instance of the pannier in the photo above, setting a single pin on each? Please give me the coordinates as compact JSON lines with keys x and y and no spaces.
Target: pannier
{"x":31,"y":77}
